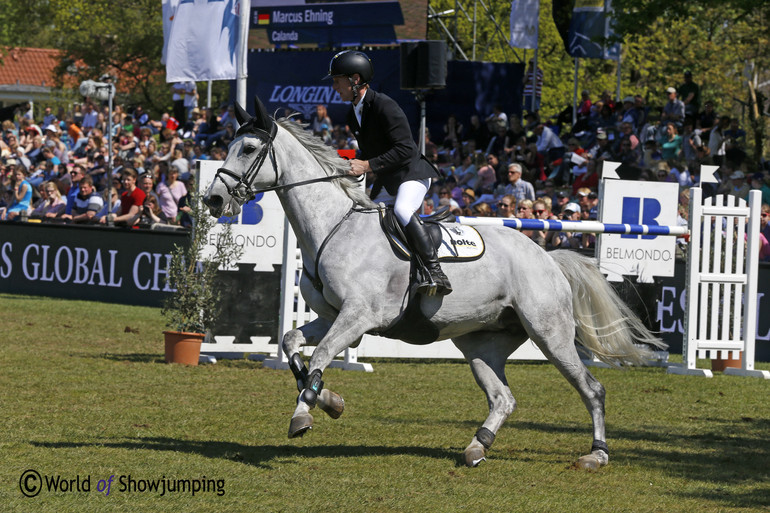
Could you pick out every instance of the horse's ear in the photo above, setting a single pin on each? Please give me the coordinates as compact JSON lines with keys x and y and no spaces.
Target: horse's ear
{"x":261,"y":117}
{"x":241,"y":115}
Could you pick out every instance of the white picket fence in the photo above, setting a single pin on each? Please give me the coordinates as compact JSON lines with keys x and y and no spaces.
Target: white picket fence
{"x":722,"y":271}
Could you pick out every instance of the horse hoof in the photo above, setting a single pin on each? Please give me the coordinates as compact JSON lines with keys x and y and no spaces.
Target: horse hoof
{"x":300,"y":425}
{"x":474,"y":456}
{"x":331,"y":403}
{"x":588,"y":462}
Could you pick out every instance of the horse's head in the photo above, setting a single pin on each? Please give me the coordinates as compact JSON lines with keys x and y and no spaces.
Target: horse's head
{"x":242,"y":176}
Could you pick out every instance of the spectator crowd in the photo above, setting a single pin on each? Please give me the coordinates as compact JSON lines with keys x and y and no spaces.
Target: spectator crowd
{"x":55,"y":166}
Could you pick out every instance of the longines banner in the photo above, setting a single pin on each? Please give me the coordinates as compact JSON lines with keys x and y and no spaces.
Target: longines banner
{"x":291,"y":82}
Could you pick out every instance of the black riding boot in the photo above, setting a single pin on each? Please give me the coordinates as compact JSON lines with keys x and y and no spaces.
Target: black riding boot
{"x":432,"y":279}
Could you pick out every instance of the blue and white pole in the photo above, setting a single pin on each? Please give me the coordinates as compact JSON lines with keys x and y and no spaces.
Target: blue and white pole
{"x":574,"y":226}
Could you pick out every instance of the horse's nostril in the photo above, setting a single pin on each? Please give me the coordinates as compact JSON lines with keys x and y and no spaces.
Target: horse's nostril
{"x":214,"y":201}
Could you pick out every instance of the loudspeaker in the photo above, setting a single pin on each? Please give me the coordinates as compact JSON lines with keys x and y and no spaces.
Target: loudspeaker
{"x":423,"y":65}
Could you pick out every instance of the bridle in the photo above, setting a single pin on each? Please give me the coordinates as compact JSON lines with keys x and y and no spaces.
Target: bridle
{"x":243,"y":190}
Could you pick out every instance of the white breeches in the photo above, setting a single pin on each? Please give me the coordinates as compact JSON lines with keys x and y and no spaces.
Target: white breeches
{"x":409,"y":199}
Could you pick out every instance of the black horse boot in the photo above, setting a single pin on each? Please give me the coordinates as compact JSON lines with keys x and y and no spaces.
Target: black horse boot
{"x":432,"y":279}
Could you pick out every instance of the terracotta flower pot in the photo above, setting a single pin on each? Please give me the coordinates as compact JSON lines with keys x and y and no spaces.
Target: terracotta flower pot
{"x":720,"y":364}
{"x":183,"y":347}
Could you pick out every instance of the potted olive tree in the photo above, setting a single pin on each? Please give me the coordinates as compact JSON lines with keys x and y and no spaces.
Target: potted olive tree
{"x":194,"y":306}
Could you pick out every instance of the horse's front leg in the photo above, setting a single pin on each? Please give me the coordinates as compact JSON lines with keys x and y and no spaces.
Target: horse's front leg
{"x":310,"y":334}
{"x":347,"y":329}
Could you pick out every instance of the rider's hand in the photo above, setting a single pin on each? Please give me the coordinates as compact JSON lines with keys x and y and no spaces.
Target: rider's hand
{"x":359,"y":167}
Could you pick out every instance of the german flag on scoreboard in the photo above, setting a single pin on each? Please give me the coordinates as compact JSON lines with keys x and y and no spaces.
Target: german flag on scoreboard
{"x":263,"y":19}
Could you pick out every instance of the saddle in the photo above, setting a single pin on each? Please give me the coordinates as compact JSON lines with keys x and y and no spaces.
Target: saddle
{"x":454,"y":242}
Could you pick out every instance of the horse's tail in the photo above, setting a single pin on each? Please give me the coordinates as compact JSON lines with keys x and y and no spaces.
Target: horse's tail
{"x":604,"y":323}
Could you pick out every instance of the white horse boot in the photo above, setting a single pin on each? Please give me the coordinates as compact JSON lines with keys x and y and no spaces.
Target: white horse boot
{"x":432,"y":279}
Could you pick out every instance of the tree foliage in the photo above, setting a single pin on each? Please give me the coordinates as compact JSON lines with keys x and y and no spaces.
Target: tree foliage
{"x":120,"y":37}
{"x":723,"y":43}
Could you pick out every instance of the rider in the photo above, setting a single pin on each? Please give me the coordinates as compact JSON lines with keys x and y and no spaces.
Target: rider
{"x":387,"y":150}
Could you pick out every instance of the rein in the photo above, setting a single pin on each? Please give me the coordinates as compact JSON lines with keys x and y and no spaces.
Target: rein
{"x":243,"y":190}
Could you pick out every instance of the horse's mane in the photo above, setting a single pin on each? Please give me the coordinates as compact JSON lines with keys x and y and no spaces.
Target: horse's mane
{"x":328,"y":159}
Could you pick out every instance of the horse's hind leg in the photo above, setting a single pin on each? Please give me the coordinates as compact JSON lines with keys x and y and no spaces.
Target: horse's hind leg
{"x":560,"y":350}
{"x":487,"y":353}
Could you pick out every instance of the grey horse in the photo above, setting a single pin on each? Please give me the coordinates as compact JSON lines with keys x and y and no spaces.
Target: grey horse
{"x":357,"y":284}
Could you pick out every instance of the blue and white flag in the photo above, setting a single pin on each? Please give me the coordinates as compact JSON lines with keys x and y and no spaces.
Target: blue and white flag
{"x":202,"y":40}
{"x":590,"y":24}
{"x":525,"y":15}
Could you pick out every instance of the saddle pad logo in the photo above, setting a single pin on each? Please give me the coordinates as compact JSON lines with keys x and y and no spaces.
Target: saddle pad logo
{"x":460,"y":242}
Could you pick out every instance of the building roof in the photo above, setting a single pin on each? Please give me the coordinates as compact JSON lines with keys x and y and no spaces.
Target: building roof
{"x":29,"y":66}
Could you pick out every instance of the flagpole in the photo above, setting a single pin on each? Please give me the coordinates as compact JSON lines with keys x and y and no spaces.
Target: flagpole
{"x":242,"y":54}
{"x":575,"y":93}
{"x":617,"y":87}
{"x":534,"y":70}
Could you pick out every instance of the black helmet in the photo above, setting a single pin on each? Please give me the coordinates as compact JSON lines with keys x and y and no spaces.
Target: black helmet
{"x":349,"y":62}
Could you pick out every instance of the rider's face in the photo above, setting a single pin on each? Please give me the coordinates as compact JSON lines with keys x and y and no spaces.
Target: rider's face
{"x":342,"y":86}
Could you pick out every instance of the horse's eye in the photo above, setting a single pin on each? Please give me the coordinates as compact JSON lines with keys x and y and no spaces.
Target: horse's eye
{"x":248,"y":149}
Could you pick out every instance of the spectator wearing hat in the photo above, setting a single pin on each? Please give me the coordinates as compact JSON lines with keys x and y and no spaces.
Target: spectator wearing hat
{"x":53,"y":139}
{"x":737,"y":186}
{"x":689,"y":93}
{"x":560,"y":202}
{"x":468,"y":197}
{"x":589,"y":202}
{"x":673,"y":110}
{"x":565,"y":239}
{"x":601,"y":150}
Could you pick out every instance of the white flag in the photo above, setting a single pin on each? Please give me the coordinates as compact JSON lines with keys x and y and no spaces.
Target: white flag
{"x":169,"y":11}
{"x":524,"y":20}
{"x":202,"y":41}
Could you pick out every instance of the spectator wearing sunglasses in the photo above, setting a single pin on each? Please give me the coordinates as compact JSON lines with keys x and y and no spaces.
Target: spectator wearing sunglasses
{"x":518,"y":187}
{"x":540,"y":211}
{"x":506,"y":207}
